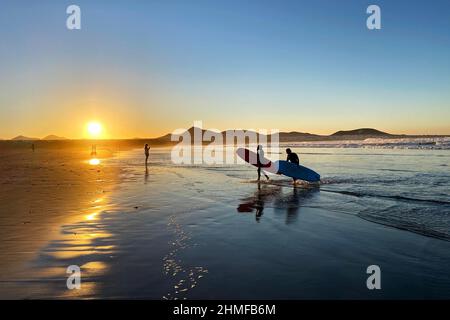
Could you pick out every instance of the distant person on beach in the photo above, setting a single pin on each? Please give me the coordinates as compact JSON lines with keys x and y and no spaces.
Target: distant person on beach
{"x":93,"y":150}
{"x":147,"y":152}
{"x":259,"y":156}
{"x":32,"y":147}
{"x":292,"y":157}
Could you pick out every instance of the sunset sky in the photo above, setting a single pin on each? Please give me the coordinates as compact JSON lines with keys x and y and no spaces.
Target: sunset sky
{"x":145,"y":68}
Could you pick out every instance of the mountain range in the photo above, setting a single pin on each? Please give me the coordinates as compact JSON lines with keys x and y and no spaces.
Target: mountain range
{"x":357,"y":134}
{"x":50,"y":137}
{"x":293,"y":136}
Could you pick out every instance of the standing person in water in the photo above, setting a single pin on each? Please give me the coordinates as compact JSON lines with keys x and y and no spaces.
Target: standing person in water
{"x":292,"y":157}
{"x":147,"y":153}
{"x":259,"y":156}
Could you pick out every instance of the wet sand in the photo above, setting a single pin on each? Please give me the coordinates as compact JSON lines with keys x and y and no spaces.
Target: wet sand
{"x":182,"y":232}
{"x":215,"y":233}
{"x":39,"y":193}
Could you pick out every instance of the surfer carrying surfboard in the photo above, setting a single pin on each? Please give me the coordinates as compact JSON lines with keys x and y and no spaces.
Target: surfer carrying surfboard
{"x":259,"y":156}
{"x":290,"y":168}
{"x":292,"y":157}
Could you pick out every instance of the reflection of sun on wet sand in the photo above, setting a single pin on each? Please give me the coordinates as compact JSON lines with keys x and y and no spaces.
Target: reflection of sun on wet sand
{"x":39,"y":193}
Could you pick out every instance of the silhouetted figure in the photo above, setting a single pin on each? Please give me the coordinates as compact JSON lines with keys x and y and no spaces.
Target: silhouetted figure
{"x":32,"y":147}
{"x":259,"y":156}
{"x":292,"y":157}
{"x":147,"y":152}
{"x":93,"y":150}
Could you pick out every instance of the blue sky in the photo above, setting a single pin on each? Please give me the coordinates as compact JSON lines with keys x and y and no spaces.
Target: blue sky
{"x":144,"y":68}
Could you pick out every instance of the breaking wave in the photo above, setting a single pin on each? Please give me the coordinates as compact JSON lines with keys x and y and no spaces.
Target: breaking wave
{"x":435,"y":143}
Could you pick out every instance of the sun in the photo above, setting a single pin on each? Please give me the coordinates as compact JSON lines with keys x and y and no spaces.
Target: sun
{"x":94,"y":129}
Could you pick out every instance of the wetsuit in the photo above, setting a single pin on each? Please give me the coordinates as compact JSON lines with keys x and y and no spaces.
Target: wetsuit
{"x":293,"y":157}
{"x":259,"y":155}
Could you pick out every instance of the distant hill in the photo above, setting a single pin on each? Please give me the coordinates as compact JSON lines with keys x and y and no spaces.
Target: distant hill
{"x":299,"y":136}
{"x":360,"y":132}
{"x":53,"y":137}
{"x":23,"y":138}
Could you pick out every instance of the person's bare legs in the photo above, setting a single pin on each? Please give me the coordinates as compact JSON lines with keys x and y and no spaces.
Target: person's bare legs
{"x":259,"y":174}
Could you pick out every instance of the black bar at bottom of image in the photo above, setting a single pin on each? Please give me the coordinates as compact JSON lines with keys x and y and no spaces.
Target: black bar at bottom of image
{"x":223,"y":309}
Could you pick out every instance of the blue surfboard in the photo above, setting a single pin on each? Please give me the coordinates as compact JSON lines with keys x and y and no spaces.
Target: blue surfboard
{"x":297,"y":171}
{"x":280,"y":167}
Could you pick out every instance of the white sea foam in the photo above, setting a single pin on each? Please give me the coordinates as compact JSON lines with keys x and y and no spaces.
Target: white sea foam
{"x":436,"y":143}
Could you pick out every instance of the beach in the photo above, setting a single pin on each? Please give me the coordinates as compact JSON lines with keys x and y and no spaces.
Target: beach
{"x":40,"y":192}
{"x":213,"y":232}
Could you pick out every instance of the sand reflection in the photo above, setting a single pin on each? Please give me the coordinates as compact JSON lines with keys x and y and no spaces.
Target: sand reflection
{"x":84,"y":243}
{"x":94,"y":162}
{"x":289,"y":201}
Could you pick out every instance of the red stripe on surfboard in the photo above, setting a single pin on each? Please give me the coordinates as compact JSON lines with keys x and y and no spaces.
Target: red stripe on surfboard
{"x":247,"y":158}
